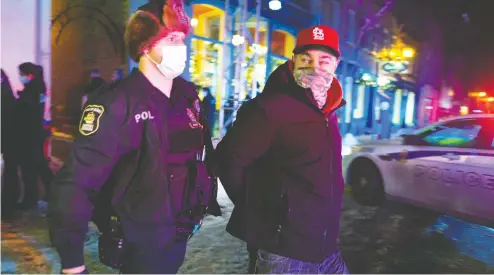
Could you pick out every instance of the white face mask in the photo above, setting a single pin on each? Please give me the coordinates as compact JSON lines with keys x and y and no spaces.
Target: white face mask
{"x":172,"y":61}
{"x":24,"y":79}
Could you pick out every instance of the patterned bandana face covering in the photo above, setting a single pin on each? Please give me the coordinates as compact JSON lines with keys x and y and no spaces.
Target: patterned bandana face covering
{"x":317,"y":80}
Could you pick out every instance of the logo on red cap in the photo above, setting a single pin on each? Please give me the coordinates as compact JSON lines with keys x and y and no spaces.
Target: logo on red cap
{"x":318,"y":34}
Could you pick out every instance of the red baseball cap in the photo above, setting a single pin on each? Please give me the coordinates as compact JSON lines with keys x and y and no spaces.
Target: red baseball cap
{"x":318,"y":36}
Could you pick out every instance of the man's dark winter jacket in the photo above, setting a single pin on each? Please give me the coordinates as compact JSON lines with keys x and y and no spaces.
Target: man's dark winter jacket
{"x":280,"y":164}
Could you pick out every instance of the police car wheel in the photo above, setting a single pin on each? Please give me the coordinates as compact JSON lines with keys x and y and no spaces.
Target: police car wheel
{"x":366,"y":183}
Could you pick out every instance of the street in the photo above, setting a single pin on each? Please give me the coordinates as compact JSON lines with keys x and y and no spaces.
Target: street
{"x":390,"y":239}
{"x":385,"y":240}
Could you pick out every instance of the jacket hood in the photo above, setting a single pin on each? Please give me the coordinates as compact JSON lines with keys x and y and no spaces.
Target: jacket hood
{"x":282,"y":80}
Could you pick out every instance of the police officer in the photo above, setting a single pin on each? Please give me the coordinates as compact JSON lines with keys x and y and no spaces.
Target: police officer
{"x":142,"y":142}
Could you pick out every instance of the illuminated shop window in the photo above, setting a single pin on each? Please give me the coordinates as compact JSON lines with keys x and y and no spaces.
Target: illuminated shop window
{"x":207,"y":21}
{"x":397,"y":107}
{"x":410,"y":109}
{"x":276,"y":62}
{"x":205,"y":69}
{"x":282,"y":44}
{"x":377,"y":108}
{"x":206,"y":49}
{"x":348,"y":98}
{"x":359,"y":110}
{"x":256,"y":69}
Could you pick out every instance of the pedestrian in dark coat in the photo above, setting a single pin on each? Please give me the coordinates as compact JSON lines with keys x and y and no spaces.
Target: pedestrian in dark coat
{"x":31,"y":133}
{"x":281,"y":163}
{"x":10,"y":181}
{"x":209,"y":103}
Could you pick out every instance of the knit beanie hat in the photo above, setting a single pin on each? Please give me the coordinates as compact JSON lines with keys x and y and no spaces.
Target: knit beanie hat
{"x":153,"y":21}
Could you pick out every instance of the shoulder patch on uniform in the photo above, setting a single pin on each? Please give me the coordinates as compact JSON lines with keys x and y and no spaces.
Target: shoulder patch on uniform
{"x":89,"y":123}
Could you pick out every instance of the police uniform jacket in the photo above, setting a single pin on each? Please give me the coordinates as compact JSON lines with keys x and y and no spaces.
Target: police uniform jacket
{"x":189,"y":144}
{"x":123,"y":136}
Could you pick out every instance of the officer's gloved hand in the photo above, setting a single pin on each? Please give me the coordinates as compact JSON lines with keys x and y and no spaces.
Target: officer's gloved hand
{"x":75,"y":270}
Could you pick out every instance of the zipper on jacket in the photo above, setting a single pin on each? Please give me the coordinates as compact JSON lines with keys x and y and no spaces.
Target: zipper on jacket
{"x":285,"y":210}
{"x":323,"y":248}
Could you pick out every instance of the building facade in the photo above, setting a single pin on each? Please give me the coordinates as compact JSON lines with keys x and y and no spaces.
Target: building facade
{"x":70,"y":38}
{"x":381,"y":94}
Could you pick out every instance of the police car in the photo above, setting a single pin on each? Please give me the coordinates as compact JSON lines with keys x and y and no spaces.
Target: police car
{"x":447,"y":167}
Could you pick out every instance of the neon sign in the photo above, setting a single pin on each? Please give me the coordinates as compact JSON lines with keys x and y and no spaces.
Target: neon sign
{"x":395,"y":67}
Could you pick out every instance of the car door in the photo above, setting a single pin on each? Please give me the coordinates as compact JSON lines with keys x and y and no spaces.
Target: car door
{"x":471,"y":189}
{"x":429,"y":171}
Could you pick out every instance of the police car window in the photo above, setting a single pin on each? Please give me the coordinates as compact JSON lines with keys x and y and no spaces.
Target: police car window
{"x":487,"y":134}
{"x":454,"y":134}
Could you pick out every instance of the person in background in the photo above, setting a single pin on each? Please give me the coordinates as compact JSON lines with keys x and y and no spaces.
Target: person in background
{"x":10,"y":181}
{"x":29,"y":120}
{"x":209,"y":103}
{"x":118,"y":74}
{"x":95,"y":82}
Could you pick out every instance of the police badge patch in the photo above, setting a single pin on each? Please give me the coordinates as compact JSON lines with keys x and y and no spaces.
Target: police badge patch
{"x":193,"y":120}
{"x":89,"y":123}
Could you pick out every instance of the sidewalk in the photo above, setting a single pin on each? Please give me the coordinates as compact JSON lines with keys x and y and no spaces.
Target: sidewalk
{"x":372,"y":240}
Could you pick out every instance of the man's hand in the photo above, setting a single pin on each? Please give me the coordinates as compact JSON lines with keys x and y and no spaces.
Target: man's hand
{"x":75,"y":270}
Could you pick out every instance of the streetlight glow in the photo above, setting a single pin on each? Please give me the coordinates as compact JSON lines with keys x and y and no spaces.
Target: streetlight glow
{"x":381,"y":81}
{"x":275,"y":5}
{"x":366,"y":77}
{"x":408,"y":52}
{"x":194,"y":22}
{"x":482,"y":94}
{"x":238,"y":40}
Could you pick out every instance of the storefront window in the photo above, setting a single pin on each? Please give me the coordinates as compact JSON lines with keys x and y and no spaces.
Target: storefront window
{"x":204,"y":63}
{"x":348,"y":97}
{"x":359,"y":110}
{"x":282,"y":44}
{"x":206,"y":49}
{"x":276,"y":62}
{"x":377,"y":107}
{"x":397,"y":107}
{"x":410,"y":109}
{"x":256,"y":69}
{"x":207,"y":21}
